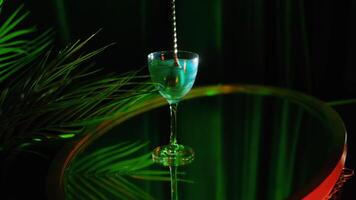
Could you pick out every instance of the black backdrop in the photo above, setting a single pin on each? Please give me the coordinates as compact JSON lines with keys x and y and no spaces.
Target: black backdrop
{"x":299,"y":44}
{"x":304,"y":45}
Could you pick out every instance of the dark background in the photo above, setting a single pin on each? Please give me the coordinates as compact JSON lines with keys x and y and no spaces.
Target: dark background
{"x":308,"y":46}
{"x":303,"y":45}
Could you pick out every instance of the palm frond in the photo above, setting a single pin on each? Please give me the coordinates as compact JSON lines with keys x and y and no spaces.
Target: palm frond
{"x":49,"y":95}
{"x":108,"y":172}
{"x":16,"y":50}
{"x":58,"y":94}
{"x":46,"y":95}
{"x":1,"y":3}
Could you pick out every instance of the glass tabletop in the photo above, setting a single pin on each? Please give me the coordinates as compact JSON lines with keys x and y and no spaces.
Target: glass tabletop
{"x":251,"y":142}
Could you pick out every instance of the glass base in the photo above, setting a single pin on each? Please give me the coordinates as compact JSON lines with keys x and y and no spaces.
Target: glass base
{"x":173,"y":155}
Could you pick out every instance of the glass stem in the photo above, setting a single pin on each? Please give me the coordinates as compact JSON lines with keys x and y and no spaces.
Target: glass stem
{"x":173,"y":138}
{"x":174,"y":186}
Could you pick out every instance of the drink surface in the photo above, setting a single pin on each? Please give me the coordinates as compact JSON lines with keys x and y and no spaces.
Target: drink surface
{"x":172,"y":81}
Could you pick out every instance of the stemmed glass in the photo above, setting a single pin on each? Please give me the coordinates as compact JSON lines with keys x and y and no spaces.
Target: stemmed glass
{"x":174,"y":74}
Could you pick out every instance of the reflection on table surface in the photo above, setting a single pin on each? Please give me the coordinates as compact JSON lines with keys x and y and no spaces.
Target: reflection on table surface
{"x":251,"y":142}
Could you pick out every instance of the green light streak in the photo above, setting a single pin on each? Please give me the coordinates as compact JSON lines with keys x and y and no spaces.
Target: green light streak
{"x":258,"y":31}
{"x":287,"y":32}
{"x":24,"y":145}
{"x":212,"y":92}
{"x":341,"y":102}
{"x":65,"y":136}
{"x":218,"y":21}
{"x":62,"y":20}
{"x":294,"y":143}
{"x":281,"y":161}
{"x":37,"y":139}
{"x":251,"y":149}
{"x":220,"y":180}
{"x":245,"y":149}
{"x":143,"y":7}
{"x":255,"y":146}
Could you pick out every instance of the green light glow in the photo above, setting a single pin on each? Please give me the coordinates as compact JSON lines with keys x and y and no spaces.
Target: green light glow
{"x":62,"y":20}
{"x":218,"y":18}
{"x":24,"y":145}
{"x":247,"y":147}
{"x":65,"y":136}
{"x":219,"y":154}
{"x":342,"y":102}
{"x":292,"y":158}
{"x":37,"y":139}
{"x":282,"y":161}
{"x":211,"y":92}
{"x":251,"y":166}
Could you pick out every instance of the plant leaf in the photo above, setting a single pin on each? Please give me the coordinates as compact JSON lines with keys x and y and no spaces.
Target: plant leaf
{"x":105,"y":173}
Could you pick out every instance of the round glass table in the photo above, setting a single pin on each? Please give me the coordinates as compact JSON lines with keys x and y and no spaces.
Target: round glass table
{"x":251,"y":142}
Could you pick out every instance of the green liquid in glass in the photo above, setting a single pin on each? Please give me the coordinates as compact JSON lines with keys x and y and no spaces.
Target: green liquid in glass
{"x":173,"y":82}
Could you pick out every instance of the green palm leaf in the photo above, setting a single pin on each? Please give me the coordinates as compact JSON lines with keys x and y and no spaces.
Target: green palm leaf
{"x":61,"y":94}
{"x":107,"y":173}
{"x":16,"y":51}
{"x":46,"y":95}
{"x":1,"y":3}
